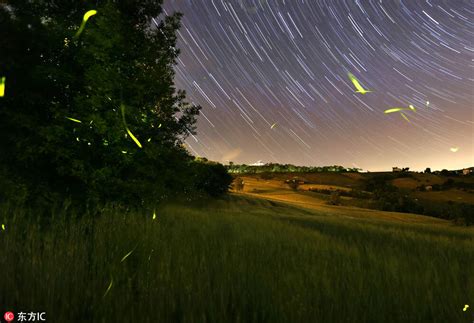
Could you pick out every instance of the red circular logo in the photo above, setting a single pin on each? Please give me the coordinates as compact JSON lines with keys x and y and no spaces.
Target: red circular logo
{"x":9,"y":316}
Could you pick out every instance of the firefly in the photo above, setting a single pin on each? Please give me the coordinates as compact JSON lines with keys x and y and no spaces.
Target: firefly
{"x":108,"y":288}
{"x":86,"y":17}
{"x":75,"y":120}
{"x":410,"y":107}
{"x":2,"y":86}
{"x":405,"y":117}
{"x":122,"y":107}
{"x":126,"y":256}
{"x":454,"y":149}
{"x":273,"y":126}
{"x":394,"y":110}
{"x":357,"y":85}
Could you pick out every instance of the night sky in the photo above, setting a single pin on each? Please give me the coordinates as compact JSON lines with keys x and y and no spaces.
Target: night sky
{"x":252,"y":64}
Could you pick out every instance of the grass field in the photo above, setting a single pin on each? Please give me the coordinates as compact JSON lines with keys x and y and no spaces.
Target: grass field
{"x":237,"y":259}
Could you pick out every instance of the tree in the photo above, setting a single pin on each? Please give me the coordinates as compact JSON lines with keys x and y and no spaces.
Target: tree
{"x":293,"y":183}
{"x":119,"y":60}
{"x":239,"y":184}
{"x":211,"y":178}
{"x":445,"y":172}
{"x":428,"y":170}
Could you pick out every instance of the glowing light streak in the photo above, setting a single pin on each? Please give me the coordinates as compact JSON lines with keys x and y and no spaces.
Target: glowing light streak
{"x":2,"y":86}
{"x":86,"y":17}
{"x":357,"y":85}
{"x":122,"y":107}
{"x":405,"y":117}
{"x":128,"y":254}
{"x":108,"y":288}
{"x":394,"y":110}
{"x":75,"y":120}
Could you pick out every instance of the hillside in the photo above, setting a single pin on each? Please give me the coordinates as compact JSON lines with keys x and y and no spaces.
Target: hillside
{"x":237,"y":259}
{"x":426,"y":194}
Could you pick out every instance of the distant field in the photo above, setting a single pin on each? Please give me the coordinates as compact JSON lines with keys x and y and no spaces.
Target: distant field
{"x":237,"y":259}
{"x":277,"y":190}
{"x":446,"y":196}
{"x":328,"y":178}
{"x":275,"y":185}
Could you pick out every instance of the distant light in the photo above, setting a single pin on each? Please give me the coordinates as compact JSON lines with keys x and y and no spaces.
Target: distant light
{"x":454,"y":149}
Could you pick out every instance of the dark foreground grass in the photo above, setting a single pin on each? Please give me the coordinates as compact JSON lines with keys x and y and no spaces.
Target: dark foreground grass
{"x":234,"y":260}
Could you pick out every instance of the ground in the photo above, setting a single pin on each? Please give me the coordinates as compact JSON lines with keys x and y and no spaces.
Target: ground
{"x":267,"y":256}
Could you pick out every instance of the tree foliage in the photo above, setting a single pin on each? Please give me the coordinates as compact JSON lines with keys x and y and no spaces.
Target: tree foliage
{"x":124,"y":56}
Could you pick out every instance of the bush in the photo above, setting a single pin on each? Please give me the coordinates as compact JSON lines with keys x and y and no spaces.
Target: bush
{"x":211,"y":178}
{"x":238,"y":184}
{"x":293,"y":183}
{"x":267,"y":176}
{"x":335,"y":198}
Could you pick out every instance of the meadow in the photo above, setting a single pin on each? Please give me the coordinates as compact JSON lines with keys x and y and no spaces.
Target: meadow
{"x":235,"y":259}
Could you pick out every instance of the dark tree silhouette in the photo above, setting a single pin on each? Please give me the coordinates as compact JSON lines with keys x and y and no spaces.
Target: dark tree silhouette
{"x":124,"y":57}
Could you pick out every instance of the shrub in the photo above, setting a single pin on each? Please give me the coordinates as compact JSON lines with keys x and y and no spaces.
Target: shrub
{"x":211,"y":178}
{"x":293,"y":183}
{"x":267,"y":176}
{"x":335,"y":198}
{"x":238,"y":184}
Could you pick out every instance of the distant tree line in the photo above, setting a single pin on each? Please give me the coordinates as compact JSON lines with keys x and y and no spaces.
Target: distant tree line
{"x":286,"y":168}
{"x":388,"y":197}
{"x":378,"y":193}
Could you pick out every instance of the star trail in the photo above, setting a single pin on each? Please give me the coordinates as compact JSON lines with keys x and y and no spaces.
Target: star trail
{"x":272,"y":78}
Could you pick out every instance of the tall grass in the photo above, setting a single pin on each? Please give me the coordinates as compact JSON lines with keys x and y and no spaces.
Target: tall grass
{"x":233,"y":260}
